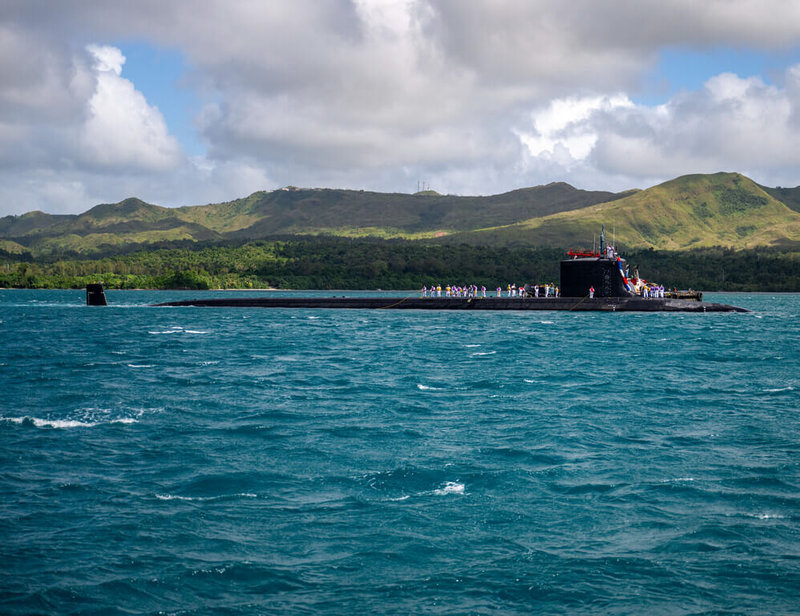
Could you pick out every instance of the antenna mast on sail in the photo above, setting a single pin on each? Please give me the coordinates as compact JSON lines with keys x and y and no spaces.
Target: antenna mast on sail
{"x":603,"y":240}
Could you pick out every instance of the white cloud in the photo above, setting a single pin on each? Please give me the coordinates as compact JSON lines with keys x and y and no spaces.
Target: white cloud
{"x":733,"y":123}
{"x":73,"y":126}
{"x":471,"y":96}
{"x":107,"y":58}
{"x":562,"y":131}
{"x":41,"y":81}
{"x":123,"y":130}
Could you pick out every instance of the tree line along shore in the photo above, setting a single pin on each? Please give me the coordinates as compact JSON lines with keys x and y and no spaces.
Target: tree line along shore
{"x":330,"y":263}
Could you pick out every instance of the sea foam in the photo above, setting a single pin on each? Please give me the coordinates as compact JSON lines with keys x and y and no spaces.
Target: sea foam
{"x":65,"y":423}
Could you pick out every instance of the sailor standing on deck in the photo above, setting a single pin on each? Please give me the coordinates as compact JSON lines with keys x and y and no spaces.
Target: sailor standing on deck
{"x":591,"y":292}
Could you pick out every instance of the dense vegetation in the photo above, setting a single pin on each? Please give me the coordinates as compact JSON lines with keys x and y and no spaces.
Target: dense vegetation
{"x":329,"y":263}
{"x":715,"y":269}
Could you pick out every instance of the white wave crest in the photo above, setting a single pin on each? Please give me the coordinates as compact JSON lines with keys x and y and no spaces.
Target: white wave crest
{"x":200,"y":499}
{"x":177,"y":330}
{"x":451,"y":487}
{"x":422,"y":387}
{"x":767,"y":516}
{"x":65,"y":423}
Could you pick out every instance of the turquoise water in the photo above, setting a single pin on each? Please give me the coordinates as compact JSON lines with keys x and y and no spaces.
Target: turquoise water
{"x":251,"y":461}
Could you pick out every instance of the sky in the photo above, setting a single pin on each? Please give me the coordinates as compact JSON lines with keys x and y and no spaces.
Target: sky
{"x":185,"y":102}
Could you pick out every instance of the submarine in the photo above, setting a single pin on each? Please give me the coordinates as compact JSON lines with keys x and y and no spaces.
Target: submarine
{"x":605,"y":304}
{"x":590,"y":281}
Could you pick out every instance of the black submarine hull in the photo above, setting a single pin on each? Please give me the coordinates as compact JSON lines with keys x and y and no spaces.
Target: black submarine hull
{"x":603,"y":304}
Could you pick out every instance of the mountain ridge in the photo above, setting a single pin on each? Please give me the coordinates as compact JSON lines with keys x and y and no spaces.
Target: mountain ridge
{"x":286,"y":212}
{"x":692,"y":211}
{"x":698,"y":210}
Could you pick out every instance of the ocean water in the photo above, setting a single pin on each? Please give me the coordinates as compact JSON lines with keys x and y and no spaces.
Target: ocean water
{"x":252,"y":461}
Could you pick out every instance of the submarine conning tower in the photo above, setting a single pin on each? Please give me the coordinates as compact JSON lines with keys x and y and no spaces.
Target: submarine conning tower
{"x":580,"y":273}
{"x":601,"y":270}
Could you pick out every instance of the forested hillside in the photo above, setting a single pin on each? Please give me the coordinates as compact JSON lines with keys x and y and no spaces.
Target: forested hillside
{"x":328,"y":263}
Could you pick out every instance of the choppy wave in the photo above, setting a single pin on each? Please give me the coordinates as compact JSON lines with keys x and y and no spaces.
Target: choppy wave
{"x":639,"y":463}
{"x":87,"y":417}
{"x":767,"y":516}
{"x":65,"y":423}
{"x":451,"y":487}
{"x":177,"y":330}
{"x":204,"y":499}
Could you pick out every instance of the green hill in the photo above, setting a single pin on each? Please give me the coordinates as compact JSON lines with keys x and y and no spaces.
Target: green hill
{"x":31,"y":223}
{"x":363,"y":213}
{"x":290,"y":212}
{"x":131,"y":221}
{"x":693,"y":211}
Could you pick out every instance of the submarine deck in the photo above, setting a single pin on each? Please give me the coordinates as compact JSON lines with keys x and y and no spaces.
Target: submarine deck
{"x":606,"y":304}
